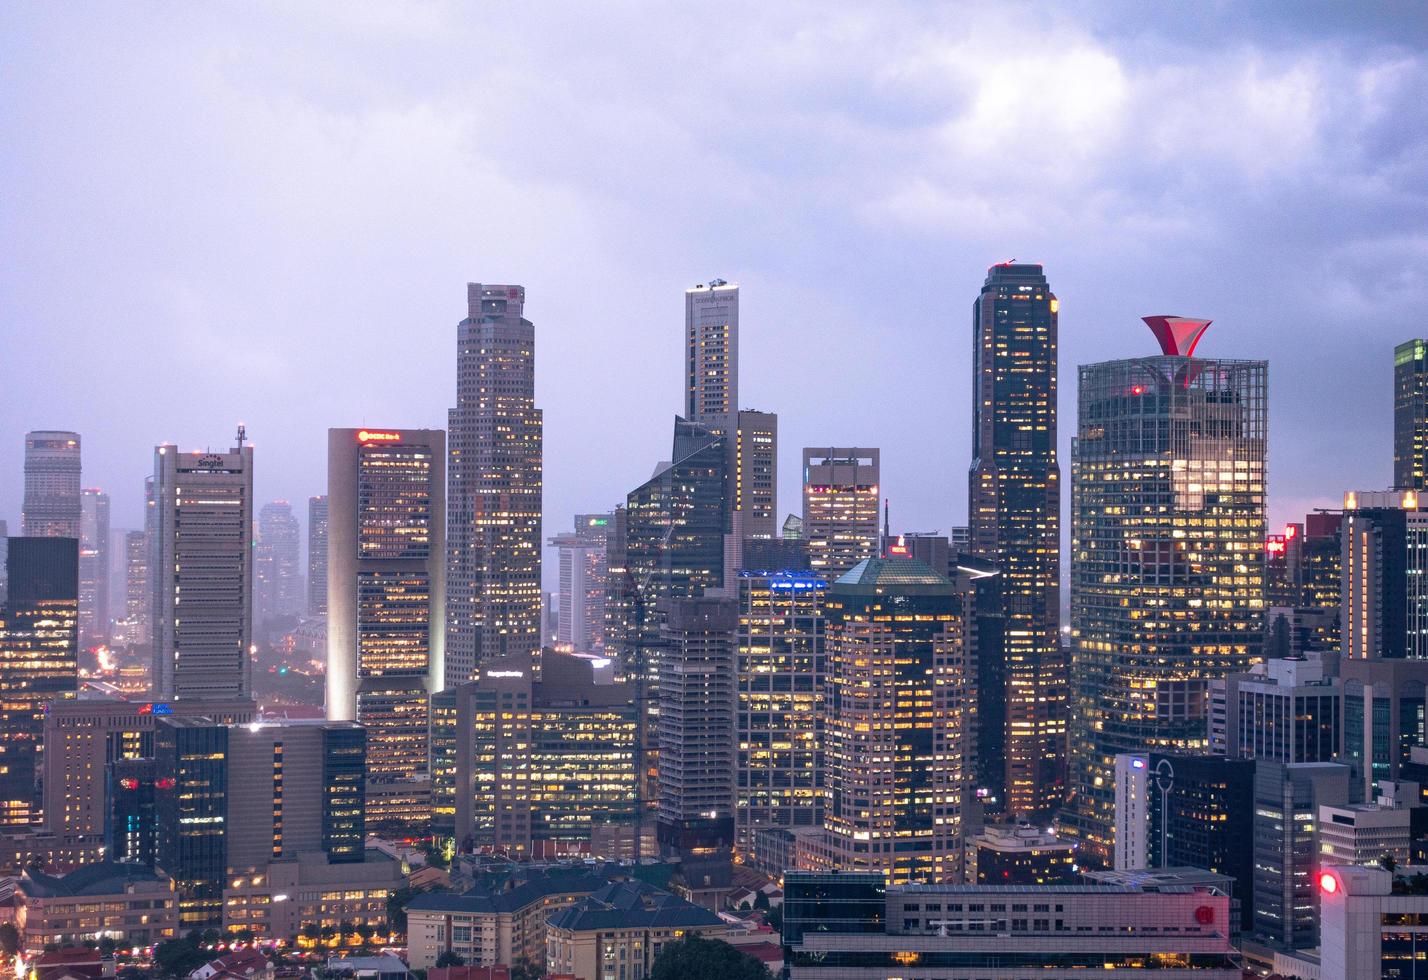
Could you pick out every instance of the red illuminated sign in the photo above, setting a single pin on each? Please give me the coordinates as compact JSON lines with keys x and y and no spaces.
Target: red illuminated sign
{"x":1205,"y":915}
{"x":1274,"y":544}
{"x":368,"y":436}
{"x":166,"y":783}
{"x":1289,"y":531}
{"x":129,"y":783}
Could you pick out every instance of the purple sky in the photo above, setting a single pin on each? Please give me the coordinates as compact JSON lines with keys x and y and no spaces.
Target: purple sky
{"x":268,"y":212}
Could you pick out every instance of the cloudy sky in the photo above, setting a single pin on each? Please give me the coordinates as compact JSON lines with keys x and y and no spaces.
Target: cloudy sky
{"x":268,"y":213}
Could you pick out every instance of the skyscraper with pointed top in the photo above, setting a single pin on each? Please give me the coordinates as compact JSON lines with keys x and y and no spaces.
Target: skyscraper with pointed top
{"x":1014,"y":498}
{"x":494,"y":487}
{"x":1167,"y":543}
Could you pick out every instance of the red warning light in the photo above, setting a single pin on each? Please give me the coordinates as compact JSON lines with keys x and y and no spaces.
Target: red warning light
{"x":1138,"y":390}
{"x":1328,"y":883}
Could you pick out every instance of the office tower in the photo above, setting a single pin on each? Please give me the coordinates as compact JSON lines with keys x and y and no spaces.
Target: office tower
{"x":961,"y":540}
{"x":39,"y":661}
{"x":756,"y":473}
{"x":1167,"y":584}
{"x":494,"y":486}
{"x":51,"y":505}
{"x":1410,"y":415}
{"x":386,"y":601}
{"x":138,"y":593}
{"x":232,"y":798}
{"x":317,"y":555}
{"x":1014,"y":520}
{"x":203,"y":609}
{"x":1282,"y":710}
{"x":840,"y":508}
{"x":131,"y":813}
{"x":277,"y":583}
{"x":1384,"y":602}
{"x":711,"y":379}
{"x":781,"y":672}
{"x":93,"y":569}
{"x":1175,"y":811}
{"x":1020,"y":854}
{"x":1364,"y":912}
{"x":896,"y":713}
{"x":1385,"y":716}
{"x":1322,"y":557}
{"x":1287,"y":799}
{"x":1364,"y":833}
{"x":697,"y":749}
{"x":1283,"y":569}
{"x":584,"y":581}
{"x":670,"y":543}
{"x":87,"y":735}
{"x":533,"y":768}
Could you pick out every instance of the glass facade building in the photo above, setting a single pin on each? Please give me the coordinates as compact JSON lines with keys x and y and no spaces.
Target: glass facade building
{"x":1014,"y":495}
{"x":52,"y":477}
{"x":1410,"y":415}
{"x":1167,"y":587}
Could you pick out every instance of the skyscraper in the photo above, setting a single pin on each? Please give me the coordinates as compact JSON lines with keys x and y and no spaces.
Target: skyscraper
{"x":1384,"y":600}
{"x":897,"y":702}
{"x":584,"y":581}
{"x":494,"y":502}
{"x":138,"y":593}
{"x":1168,"y":530}
{"x":202,"y":574}
{"x":39,"y":650}
{"x":756,"y":473}
{"x":697,"y":753}
{"x":52,"y":472}
{"x":93,"y":568}
{"x":386,"y":627}
{"x":1014,"y":505}
{"x":317,"y":555}
{"x":782,"y":667}
{"x":1410,"y":415}
{"x":277,"y":581}
{"x":711,"y":379}
{"x":840,"y":508}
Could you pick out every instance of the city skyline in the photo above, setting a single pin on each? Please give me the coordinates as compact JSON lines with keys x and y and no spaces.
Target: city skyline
{"x":1232,"y":239}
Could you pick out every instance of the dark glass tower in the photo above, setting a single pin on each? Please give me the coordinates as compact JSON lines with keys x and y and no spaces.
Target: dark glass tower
{"x":1410,"y":415}
{"x":1014,"y":498}
{"x":1167,"y":542}
{"x":39,"y":650}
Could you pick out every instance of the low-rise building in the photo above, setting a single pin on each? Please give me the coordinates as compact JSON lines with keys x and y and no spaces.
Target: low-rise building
{"x":285,"y":896}
{"x":1371,"y":922}
{"x":125,"y":902}
{"x":619,"y":930}
{"x":1020,"y":855}
{"x":503,"y":924}
{"x":846,"y":926}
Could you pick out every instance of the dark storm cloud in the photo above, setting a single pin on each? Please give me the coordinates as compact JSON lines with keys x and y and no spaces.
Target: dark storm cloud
{"x":233,"y":212}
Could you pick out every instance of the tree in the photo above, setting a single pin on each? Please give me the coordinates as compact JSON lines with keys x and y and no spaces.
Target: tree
{"x":364,"y":932}
{"x":179,"y":957}
{"x":761,"y":900}
{"x":697,"y":958}
{"x":448,"y":958}
{"x":775,"y":918}
{"x":244,"y":935}
{"x":312,"y":931}
{"x":9,"y":939}
{"x":524,"y":969}
{"x":1387,"y":862}
{"x":107,"y":945}
{"x":397,"y":903}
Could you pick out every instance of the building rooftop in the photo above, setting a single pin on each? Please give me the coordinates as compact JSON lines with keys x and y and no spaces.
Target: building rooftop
{"x":104,"y":878}
{"x":875,"y":575}
{"x":632,"y":904}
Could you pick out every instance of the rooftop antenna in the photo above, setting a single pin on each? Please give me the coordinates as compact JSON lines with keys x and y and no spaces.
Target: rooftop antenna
{"x":242,"y":435}
{"x":887,"y":532}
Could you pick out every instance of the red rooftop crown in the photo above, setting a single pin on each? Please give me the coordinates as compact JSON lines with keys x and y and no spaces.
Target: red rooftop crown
{"x":1178,"y":335}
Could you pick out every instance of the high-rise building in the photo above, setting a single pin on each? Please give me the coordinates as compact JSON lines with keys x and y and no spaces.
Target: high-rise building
{"x":532,"y":766}
{"x":39,"y":665}
{"x":1283,"y":710}
{"x":1410,"y":415}
{"x":1176,"y":811}
{"x":1014,"y":519}
{"x":386,"y":625}
{"x":697,"y":749}
{"x":584,"y":581}
{"x":317,"y":555}
{"x":130,"y":811}
{"x":897,"y":702}
{"x":781,"y":672}
{"x":230,"y":799}
{"x":494,"y":486}
{"x":1167,"y":541}
{"x":1385,"y":717}
{"x":756,"y":473}
{"x":1321,"y":555}
{"x":840,"y":508}
{"x":138,"y":593}
{"x":1384,"y":598}
{"x":52,"y":474}
{"x":1287,"y":799}
{"x":202,"y":573}
{"x":93,"y":568}
{"x":277,"y":581}
{"x":711,"y":328}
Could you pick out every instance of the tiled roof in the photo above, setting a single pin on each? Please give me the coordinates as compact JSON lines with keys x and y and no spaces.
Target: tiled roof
{"x":104,"y":878}
{"x":894,"y":572}
{"x":632,"y":904}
